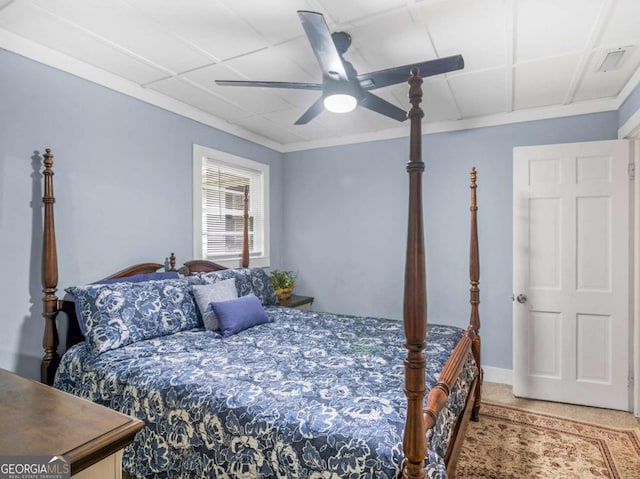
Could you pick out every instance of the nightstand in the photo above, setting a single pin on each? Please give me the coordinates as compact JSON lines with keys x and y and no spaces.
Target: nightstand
{"x":42,"y":421}
{"x":299,"y":302}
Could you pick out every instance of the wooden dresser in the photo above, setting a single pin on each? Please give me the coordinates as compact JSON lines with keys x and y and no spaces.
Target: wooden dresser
{"x":40,"y":420}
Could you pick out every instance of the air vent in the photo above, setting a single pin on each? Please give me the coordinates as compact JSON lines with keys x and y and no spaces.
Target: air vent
{"x":612,"y":59}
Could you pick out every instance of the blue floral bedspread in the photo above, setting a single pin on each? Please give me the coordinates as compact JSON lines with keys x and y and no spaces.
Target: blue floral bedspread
{"x":310,"y":395}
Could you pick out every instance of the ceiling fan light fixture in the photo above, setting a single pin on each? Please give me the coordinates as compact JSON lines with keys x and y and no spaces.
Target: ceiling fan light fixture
{"x":340,"y":103}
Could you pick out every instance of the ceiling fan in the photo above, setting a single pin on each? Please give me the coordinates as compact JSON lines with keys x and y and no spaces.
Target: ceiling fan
{"x":342,"y":87}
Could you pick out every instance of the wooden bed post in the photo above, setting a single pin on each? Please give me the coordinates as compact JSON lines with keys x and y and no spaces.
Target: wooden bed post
{"x":415,"y":297}
{"x":245,"y":230}
{"x":50,"y":340}
{"x":474,"y":276}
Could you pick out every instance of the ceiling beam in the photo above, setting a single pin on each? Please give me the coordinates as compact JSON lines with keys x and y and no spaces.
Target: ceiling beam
{"x":596,"y":33}
{"x":510,"y":36}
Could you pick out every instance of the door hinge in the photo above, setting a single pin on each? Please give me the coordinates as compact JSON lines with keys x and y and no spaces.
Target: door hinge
{"x":630,"y":381}
{"x":632,"y":171}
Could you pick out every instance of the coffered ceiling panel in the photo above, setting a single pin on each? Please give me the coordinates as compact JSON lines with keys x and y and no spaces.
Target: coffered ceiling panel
{"x":546,"y":28}
{"x":480,"y":93}
{"x":191,"y":94}
{"x":379,"y":44}
{"x":129,"y":29}
{"x":477,"y":30}
{"x":536,"y":86}
{"x":342,"y":11}
{"x":207,"y":24}
{"x":622,"y":26}
{"x":277,"y":23}
{"x":33,"y":23}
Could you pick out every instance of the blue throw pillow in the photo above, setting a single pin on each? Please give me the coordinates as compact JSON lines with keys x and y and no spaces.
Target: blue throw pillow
{"x":239,"y":314}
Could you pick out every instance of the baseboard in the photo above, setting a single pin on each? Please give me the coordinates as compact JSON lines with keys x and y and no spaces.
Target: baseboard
{"x":498,"y":375}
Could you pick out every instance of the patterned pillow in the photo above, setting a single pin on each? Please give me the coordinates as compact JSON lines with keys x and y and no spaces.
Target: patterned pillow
{"x":248,"y":280}
{"x":136,"y":278}
{"x":262,"y":287}
{"x":215,"y":292}
{"x":123,"y":313}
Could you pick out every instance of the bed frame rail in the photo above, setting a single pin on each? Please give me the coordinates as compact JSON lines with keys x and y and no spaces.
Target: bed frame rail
{"x":439,"y":395}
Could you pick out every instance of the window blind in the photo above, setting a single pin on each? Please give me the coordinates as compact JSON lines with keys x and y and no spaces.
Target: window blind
{"x":222,"y":210}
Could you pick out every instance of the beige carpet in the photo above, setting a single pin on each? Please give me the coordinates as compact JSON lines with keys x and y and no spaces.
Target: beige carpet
{"x":513,"y":443}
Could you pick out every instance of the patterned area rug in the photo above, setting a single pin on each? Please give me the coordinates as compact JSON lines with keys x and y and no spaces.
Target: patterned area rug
{"x":510,"y":443}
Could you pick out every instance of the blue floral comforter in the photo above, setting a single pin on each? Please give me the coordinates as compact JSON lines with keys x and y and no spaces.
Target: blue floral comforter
{"x":311,"y":395}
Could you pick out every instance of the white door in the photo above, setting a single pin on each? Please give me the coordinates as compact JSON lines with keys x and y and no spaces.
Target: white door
{"x":572,"y":273}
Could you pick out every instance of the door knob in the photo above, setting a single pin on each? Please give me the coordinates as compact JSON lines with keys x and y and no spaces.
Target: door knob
{"x":522,"y":298}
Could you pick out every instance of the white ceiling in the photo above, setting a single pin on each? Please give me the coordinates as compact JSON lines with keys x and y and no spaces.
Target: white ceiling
{"x":524,"y":59}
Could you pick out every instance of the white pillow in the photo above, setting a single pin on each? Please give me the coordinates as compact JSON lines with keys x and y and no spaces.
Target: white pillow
{"x":206,"y":294}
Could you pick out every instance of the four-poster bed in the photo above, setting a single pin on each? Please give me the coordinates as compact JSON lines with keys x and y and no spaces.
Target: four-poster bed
{"x":314,"y":395}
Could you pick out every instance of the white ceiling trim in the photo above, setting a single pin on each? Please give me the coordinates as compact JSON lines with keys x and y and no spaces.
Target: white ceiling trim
{"x":498,"y":119}
{"x":631,"y":85}
{"x":631,"y":127}
{"x":40,"y":53}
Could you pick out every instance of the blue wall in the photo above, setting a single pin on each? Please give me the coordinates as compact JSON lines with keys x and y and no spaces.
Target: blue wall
{"x":123,"y":187}
{"x":346,"y":215}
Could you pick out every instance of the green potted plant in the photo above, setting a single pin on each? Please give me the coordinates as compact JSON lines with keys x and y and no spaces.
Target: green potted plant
{"x":283,"y":283}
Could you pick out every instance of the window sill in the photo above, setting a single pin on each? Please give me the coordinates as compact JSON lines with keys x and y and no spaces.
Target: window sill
{"x":263,"y":262}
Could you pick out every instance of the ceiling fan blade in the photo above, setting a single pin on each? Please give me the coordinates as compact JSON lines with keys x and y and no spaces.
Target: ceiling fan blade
{"x":377,"y":104}
{"x":313,"y":111}
{"x":271,"y":84}
{"x":392,"y":76}
{"x":322,"y":44}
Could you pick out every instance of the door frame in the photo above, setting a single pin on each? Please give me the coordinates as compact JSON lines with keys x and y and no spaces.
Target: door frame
{"x":631,"y":131}
{"x":636,"y":274}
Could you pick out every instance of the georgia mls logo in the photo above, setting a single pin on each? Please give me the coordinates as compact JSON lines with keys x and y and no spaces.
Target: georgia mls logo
{"x":58,"y":464}
{"x":34,"y":467}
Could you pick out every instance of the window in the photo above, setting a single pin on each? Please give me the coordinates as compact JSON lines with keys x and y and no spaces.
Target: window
{"x":219,"y":180}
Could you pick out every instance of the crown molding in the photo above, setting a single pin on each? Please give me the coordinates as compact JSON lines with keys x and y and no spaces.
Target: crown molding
{"x":518,"y":116}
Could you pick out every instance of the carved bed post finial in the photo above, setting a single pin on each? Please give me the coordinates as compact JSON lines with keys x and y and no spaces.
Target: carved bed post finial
{"x":415,"y":297}
{"x":245,"y":229}
{"x":50,"y":339}
{"x":172,"y":262}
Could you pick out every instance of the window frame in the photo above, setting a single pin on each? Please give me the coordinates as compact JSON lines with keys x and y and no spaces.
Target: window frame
{"x":200,"y":153}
